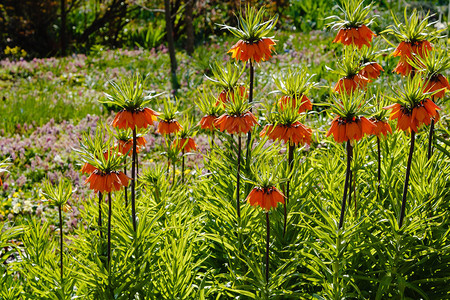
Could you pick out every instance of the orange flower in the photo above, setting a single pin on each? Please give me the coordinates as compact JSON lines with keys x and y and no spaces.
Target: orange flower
{"x":224,"y":95}
{"x":168,"y":127}
{"x":437,"y":83}
{"x":207,"y":122}
{"x":357,"y":36}
{"x":88,"y":168}
{"x":380,"y":128}
{"x":256,"y":51}
{"x":406,"y":50}
{"x":185,"y":144}
{"x":131,"y":119}
{"x":236,"y":124}
{"x":265,"y":197}
{"x":305,"y":103}
{"x":125,"y":146}
{"x":412,"y":119}
{"x":350,"y":84}
{"x":106,"y":183}
{"x":295,"y":134}
{"x":371,"y":71}
{"x":344,"y":130}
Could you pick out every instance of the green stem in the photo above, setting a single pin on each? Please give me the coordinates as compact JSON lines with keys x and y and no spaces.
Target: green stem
{"x":133,"y":181}
{"x":100,"y":198}
{"x":109,"y":230}
{"x":430,"y":139}
{"x":182,"y":166}
{"x":267,"y":246}
{"x":250,"y":100}
{"x":347,"y":175}
{"x":290,"y":164}
{"x":405,"y":187}
{"x":61,"y":245}
{"x":238,"y":204}
{"x":125,"y":189}
{"x":173,"y":174}
{"x":379,"y":165}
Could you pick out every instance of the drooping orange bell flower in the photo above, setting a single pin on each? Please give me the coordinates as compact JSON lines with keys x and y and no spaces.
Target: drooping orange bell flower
{"x":371,"y":71}
{"x":168,"y":127}
{"x":358,"y":36}
{"x":305,"y":103}
{"x":294,"y":134}
{"x":256,"y":51}
{"x":207,"y":122}
{"x":125,"y":146}
{"x":185,"y":144}
{"x":131,"y":119}
{"x":236,"y":124}
{"x":344,"y":130}
{"x":412,"y":119}
{"x":266,"y":198}
{"x":350,"y":84}
{"x":380,"y":127}
{"x":107,"y":182}
{"x":437,"y":83}
{"x":406,"y":50}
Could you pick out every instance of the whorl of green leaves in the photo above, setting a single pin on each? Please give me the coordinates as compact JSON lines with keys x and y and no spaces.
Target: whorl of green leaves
{"x":170,"y":110}
{"x":378,"y":101}
{"x":129,"y":93}
{"x":226,"y":77}
{"x":432,"y":63}
{"x":59,"y":194}
{"x":411,"y":93}
{"x":355,"y":15}
{"x":266,"y":171}
{"x":251,"y":27}
{"x":238,"y":105}
{"x":414,"y":29}
{"x":4,"y":164}
{"x":127,"y":134}
{"x":295,"y":83}
{"x":349,"y":65}
{"x":187,"y":130}
{"x":206,"y":102}
{"x":349,"y":105}
{"x":94,"y":149}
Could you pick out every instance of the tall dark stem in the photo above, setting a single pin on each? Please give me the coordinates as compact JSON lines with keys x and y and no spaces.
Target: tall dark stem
{"x":290,"y":164}
{"x":100,"y":198}
{"x":405,"y":187}
{"x":133,"y":181}
{"x":182,"y":166}
{"x":267,"y":246}
{"x":350,"y":183}
{"x":109,"y":229}
{"x":61,"y":245}
{"x":238,"y":204}
{"x":430,"y":139}
{"x":347,"y":179}
{"x":379,"y":165}
{"x":125,"y":189}
{"x":250,"y":100}
{"x":173,"y":174}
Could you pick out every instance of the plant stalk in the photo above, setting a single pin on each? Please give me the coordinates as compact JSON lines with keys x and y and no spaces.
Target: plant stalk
{"x":61,"y":245}
{"x":290,"y":164}
{"x":250,"y":100}
{"x":125,"y":189}
{"x":109,"y":230}
{"x":267,"y":246}
{"x":405,"y":187}
{"x":347,"y":175}
{"x":182,"y":166}
{"x":238,"y":204}
{"x":133,"y":181}
{"x":430,"y":139}
{"x":100,"y":198}
{"x":379,"y":165}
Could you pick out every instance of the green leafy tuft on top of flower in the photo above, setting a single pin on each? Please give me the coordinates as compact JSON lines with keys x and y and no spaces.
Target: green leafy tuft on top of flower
{"x":207,"y":103}
{"x":60,"y":194}
{"x":412,"y":94}
{"x":348,"y":106}
{"x":225,"y":77}
{"x":251,"y":27}
{"x":129,"y":94}
{"x":294,"y":84}
{"x":355,"y":15}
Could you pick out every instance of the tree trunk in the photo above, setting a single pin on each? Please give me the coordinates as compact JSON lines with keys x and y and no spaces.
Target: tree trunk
{"x":189,"y":27}
{"x":63,"y":28}
{"x":171,"y":44}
